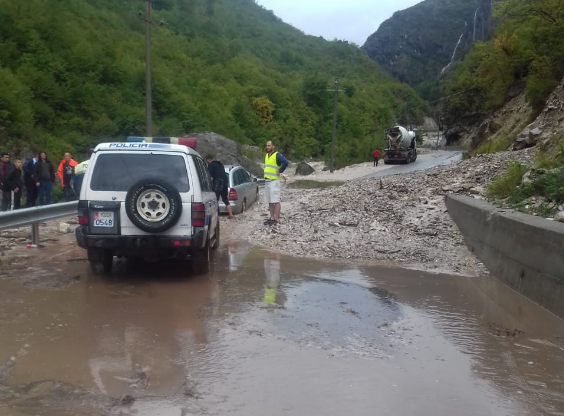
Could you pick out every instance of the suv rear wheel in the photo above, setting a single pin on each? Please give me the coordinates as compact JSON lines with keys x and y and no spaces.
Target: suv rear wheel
{"x":201,"y":258}
{"x":101,"y":260}
{"x":153,"y":205}
{"x":216,"y":237}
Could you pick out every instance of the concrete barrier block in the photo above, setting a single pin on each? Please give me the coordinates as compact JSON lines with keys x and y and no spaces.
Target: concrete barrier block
{"x":523,"y":251}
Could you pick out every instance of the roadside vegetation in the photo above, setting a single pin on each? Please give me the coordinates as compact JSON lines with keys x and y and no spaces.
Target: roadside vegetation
{"x":499,"y":144}
{"x":539,"y":190}
{"x":504,"y":186}
{"x":72,"y":75}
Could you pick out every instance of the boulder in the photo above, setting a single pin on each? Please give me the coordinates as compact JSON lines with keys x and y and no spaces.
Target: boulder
{"x":478,"y":190}
{"x":559,"y":216}
{"x":531,"y":176}
{"x":63,"y":227}
{"x":304,"y":169}
{"x":527,"y":138}
{"x":254,"y":153}
{"x":226,"y":151}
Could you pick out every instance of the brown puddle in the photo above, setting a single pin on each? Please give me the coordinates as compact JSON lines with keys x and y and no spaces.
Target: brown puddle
{"x":268,"y":334}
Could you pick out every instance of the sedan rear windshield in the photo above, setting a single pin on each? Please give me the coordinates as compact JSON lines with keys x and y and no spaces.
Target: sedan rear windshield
{"x":118,"y":172}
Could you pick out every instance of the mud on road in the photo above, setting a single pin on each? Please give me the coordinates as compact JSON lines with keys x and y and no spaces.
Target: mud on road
{"x":269,"y":333}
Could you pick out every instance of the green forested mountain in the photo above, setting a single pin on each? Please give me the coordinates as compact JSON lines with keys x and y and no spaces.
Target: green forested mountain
{"x":72,"y":74}
{"x":526,"y":54}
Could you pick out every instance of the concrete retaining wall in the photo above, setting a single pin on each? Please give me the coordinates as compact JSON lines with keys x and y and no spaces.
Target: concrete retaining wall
{"x":523,"y":251}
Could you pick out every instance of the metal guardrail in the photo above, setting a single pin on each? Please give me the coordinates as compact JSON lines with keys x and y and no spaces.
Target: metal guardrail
{"x":34,"y":216}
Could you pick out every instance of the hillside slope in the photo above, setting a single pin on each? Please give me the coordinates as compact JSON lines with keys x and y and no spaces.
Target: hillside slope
{"x":73,"y":73}
{"x":503,"y":84}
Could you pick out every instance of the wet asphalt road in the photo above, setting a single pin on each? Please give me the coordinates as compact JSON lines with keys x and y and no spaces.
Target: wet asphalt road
{"x":445,"y":158}
{"x":269,"y":334}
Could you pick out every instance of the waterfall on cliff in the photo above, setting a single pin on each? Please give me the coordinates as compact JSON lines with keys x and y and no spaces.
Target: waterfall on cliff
{"x":475,"y":21}
{"x":453,"y":54}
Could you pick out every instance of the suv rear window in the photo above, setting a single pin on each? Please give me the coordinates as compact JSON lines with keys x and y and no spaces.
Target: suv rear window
{"x":118,"y":172}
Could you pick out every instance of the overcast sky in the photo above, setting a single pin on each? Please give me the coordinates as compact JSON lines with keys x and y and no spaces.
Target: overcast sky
{"x":352,"y":20}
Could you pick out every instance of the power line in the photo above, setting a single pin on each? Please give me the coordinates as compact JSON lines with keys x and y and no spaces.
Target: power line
{"x":442,"y":99}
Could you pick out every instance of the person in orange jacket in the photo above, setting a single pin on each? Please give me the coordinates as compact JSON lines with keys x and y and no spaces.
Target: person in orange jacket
{"x":66,"y":176}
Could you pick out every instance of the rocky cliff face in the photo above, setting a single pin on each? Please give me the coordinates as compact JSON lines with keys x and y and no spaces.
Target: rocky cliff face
{"x":416,"y":45}
{"x":510,"y":125}
{"x":549,"y":123}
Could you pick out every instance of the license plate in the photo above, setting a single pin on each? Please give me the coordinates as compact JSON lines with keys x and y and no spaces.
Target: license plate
{"x":103,"y":219}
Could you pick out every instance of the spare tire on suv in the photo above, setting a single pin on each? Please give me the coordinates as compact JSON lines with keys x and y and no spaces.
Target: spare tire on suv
{"x":153,"y":205}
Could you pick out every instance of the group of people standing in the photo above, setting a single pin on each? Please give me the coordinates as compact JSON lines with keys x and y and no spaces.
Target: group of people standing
{"x":35,"y":178}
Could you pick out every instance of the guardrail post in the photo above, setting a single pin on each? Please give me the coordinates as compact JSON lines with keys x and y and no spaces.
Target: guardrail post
{"x":35,"y":233}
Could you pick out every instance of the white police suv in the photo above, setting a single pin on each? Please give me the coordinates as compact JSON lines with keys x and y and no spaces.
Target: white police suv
{"x":147,"y":200}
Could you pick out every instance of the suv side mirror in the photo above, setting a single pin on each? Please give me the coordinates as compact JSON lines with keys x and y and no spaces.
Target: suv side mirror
{"x":255,"y":179}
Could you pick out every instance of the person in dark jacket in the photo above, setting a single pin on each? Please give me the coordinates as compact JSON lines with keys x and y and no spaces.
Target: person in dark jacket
{"x":5,"y":167}
{"x":44,"y":176}
{"x":220,"y":182}
{"x":30,"y":187}
{"x":13,"y":182}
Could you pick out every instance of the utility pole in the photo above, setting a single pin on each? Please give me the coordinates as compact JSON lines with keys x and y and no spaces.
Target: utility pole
{"x":148,"y":92}
{"x":334,"y":134}
{"x":439,"y":127}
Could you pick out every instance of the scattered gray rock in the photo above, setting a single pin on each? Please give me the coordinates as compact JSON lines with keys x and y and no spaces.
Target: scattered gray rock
{"x":63,"y":227}
{"x":304,"y":169}
{"x":559,"y":216}
{"x":400,"y":218}
{"x":478,"y":190}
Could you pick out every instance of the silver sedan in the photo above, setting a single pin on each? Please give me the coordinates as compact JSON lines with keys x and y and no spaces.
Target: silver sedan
{"x":243,"y":189}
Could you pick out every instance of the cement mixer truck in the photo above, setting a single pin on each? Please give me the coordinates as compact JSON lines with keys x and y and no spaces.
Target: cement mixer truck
{"x":401,"y":146}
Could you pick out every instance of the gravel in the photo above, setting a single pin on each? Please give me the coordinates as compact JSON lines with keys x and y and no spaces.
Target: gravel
{"x":400,"y":219}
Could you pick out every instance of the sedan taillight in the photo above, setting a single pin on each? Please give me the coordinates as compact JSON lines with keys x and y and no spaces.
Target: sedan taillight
{"x":233,"y":195}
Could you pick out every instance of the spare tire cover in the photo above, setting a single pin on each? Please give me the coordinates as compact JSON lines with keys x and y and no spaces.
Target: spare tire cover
{"x":153,"y":205}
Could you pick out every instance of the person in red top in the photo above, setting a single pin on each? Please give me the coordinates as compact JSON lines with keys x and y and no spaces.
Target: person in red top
{"x":376,"y":155}
{"x":66,"y":176}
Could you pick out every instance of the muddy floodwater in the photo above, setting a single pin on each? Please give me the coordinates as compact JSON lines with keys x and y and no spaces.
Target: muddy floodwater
{"x":264,"y":334}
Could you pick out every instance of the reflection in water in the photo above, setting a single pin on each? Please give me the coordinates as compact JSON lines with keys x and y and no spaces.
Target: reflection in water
{"x":237,"y":253}
{"x":272,"y":273}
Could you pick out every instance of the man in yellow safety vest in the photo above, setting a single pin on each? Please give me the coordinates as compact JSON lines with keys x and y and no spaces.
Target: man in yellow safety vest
{"x":274,"y":165}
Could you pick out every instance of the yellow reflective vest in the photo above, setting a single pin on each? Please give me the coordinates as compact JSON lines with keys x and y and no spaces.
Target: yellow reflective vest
{"x":271,"y":168}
